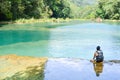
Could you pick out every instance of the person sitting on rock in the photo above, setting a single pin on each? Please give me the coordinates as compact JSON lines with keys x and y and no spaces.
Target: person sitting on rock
{"x":98,"y":55}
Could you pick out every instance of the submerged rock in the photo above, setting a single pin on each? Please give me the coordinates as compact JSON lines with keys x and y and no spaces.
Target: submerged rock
{"x":115,"y":61}
{"x":13,"y":67}
{"x":112,"y":61}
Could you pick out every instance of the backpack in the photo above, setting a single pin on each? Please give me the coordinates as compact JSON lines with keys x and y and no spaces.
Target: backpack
{"x":100,"y":56}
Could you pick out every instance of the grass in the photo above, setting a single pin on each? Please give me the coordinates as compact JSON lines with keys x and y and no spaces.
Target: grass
{"x":32,"y":20}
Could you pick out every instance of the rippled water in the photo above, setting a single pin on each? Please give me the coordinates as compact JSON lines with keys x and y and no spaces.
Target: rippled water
{"x":74,"y":39}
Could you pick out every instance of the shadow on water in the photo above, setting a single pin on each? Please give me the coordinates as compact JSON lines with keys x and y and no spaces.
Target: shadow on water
{"x":2,"y":24}
{"x":31,"y":73}
{"x":11,"y":37}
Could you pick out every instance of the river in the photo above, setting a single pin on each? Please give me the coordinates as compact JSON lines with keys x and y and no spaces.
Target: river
{"x":69,"y":47}
{"x":67,"y":40}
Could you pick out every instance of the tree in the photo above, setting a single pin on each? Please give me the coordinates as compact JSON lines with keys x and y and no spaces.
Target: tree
{"x":108,"y":9}
{"x":5,"y":13}
{"x":59,"y":8}
{"x":16,"y":9}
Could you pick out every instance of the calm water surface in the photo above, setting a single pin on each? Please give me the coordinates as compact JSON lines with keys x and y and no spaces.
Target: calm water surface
{"x":69,"y":40}
{"x":76,"y":69}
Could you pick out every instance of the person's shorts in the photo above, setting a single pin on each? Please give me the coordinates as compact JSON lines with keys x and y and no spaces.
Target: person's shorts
{"x":99,"y":60}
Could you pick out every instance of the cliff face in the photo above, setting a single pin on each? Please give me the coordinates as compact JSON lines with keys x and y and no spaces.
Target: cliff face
{"x":13,"y":67}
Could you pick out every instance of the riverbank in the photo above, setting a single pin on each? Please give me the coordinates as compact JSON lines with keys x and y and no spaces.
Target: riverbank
{"x":13,"y":67}
{"x":52,"y":20}
{"x":32,"y":20}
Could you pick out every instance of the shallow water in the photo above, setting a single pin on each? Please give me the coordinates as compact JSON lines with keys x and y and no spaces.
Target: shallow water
{"x":73,"y":42}
{"x":72,"y":39}
{"x":76,"y":69}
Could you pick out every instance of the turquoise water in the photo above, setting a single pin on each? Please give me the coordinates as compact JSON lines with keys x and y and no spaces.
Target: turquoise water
{"x":68,"y":40}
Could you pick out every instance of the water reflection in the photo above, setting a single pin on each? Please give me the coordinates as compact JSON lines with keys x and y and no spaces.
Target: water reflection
{"x":98,"y":68}
{"x":78,"y":69}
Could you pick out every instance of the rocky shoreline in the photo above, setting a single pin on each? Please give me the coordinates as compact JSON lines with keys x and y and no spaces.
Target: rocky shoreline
{"x":13,"y":67}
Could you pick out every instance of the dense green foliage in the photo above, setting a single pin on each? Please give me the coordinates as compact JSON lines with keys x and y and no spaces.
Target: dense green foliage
{"x":108,"y":9}
{"x":105,"y":9}
{"x":16,"y":9}
{"x":85,"y":9}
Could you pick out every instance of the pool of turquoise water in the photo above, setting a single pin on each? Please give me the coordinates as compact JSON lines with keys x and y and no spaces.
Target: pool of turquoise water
{"x":66,"y":40}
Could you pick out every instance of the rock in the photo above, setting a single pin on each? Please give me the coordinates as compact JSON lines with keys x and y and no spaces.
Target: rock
{"x":115,"y":61}
{"x":21,"y":67}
